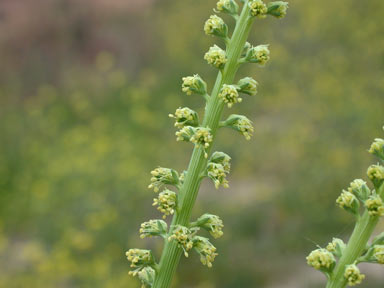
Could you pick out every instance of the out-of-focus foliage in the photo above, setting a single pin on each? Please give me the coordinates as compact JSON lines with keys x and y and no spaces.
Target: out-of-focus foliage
{"x":85,"y":89}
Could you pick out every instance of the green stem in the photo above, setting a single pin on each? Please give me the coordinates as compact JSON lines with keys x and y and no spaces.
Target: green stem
{"x":188,"y":193}
{"x":356,"y":245}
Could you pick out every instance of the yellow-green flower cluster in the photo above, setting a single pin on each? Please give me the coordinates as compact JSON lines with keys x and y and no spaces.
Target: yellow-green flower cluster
{"x":336,"y":247}
{"x":166,"y":202}
{"x":258,"y":54}
{"x":242,"y":124}
{"x":216,"y":57}
{"x":200,"y":136}
{"x":212,"y":223}
{"x":221,"y":158}
{"x":377,"y":148}
{"x":359,"y":188}
{"x":376,"y":174}
{"x":353,"y":276}
{"x":218,"y":174}
{"x":153,"y":228}
{"x":183,"y":236}
{"x":378,"y":253}
{"x":348,"y":201}
{"x":194,"y":84}
{"x":278,"y":8}
{"x":258,"y":8}
{"x":227,"y":6}
{"x":185,"y":117}
{"x":375,"y":206}
{"x":161,"y":176}
{"x":248,"y":85}
{"x":215,"y":26}
{"x":205,"y":249}
{"x":147,"y":276}
{"x":229,"y":95}
{"x":321,"y":259}
{"x":139,"y":258}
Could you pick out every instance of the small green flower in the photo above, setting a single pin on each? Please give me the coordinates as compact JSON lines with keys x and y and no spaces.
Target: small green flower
{"x":227,"y":6}
{"x":229,"y":95}
{"x":248,"y":86}
{"x":215,"y":26}
{"x":205,"y":249}
{"x":166,"y":202}
{"x":241,"y":124}
{"x":185,"y":117}
{"x":353,"y":276}
{"x":147,"y":276}
{"x":216,"y":57}
{"x":278,"y":9}
{"x":336,"y":247}
{"x":377,"y":148}
{"x":379,"y":253}
{"x":221,"y":158}
{"x":258,"y":54}
{"x":183,"y":236}
{"x":374,"y":205}
{"x":212,"y":223}
{"x":185,"y":133}
{"x":194,"y":84}
{"x":376,"y":174}
{"x":217,"y":174}
{"x":359,"y":188}
{"x":161,"y":176}
{"x":153,"y":228}
{"x":321,"y":259}
{"x":349,"y":202}
{"x":258,"y":8}
{"x":139,"y":258}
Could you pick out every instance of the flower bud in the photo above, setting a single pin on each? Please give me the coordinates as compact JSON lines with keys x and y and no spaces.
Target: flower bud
{"x":360,"y":189}
{"x":229,"y":95}
{"x":194,"y":84}
{"x":348,"y":202}
{"x":212,"y":223}
{"x":336,"y":247}
{"x":185,"y":133}
{"x":321,"y":259}
{"x":153,"y":228}
{"x":277,"y":9}
{"x":376,"y":174}
{"x":161,"y":176}
{"x":258,"y":54}
{"x":202,"y":138}
{"x":377,"y":148}
{"x":216,"y":57}
{"x":221,"y":158}
{"x":217,"y":174}
{"x":185,"y":117}
{"x":166,"y":202}
{"x":147,"y":276}
{"x":139,"y":258}
{"x":352,"y":275}
{"x":378,"y":253}
{"x":248,"y":86}
{"x":241,"y":124}
{"x":183,"y":236}
{"x":374,"y":205}
{"x":258,"y":8}
{"x":205,"y":249}
{"x":215,"y":26}
{"x":227,"y":6}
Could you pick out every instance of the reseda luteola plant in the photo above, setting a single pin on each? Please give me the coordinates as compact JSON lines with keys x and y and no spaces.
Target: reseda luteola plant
{"x":182,"y":235}
{"x":367,"y":207}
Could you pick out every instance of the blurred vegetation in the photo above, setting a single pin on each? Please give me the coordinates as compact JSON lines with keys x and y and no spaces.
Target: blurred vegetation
{"x":85,"y":89}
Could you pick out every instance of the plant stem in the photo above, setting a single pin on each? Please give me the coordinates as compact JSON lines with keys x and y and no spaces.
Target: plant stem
{"x":356,"y":245}
{"x":188,"y":192}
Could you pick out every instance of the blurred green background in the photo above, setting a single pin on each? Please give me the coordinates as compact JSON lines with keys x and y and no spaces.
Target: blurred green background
{"x":85,"y":90}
